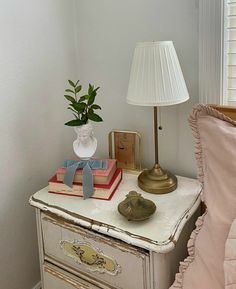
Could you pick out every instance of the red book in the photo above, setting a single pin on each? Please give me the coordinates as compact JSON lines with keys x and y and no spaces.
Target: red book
{"x":99,"y":176}
{"x":101,"y":191}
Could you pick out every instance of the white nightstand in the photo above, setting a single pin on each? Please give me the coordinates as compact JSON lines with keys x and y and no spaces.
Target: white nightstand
{"x":88,"y":244}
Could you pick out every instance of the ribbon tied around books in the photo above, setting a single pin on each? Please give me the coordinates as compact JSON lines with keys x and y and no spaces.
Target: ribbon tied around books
{"x":87,"y":166}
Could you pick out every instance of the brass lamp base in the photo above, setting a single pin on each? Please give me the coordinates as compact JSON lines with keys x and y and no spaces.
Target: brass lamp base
{"x":157,"y":181}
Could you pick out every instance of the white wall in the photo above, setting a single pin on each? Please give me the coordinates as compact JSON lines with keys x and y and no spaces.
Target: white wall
{"x":107,"y":31}
{"x":37,"y":55}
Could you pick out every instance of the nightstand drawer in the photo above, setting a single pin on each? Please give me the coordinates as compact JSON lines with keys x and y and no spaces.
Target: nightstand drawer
{"x":103,"y":258}
{"x":59,"y":279}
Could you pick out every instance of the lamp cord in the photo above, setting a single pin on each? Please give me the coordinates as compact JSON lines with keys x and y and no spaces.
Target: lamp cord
{"x":159,"y":119}
{"x":156,"y":135}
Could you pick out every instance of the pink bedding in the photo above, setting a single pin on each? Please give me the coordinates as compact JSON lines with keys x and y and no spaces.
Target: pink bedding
{"x":230,"y":258}
{"x":215,"y":137}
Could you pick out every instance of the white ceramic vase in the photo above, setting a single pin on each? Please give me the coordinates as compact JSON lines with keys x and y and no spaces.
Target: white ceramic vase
{"x":85,"y":144}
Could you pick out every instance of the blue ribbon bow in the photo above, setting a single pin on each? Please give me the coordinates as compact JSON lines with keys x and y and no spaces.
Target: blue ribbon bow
{"x":87,"y":166}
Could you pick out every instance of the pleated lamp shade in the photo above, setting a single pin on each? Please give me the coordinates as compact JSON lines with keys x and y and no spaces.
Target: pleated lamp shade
{"x":156,"y":78}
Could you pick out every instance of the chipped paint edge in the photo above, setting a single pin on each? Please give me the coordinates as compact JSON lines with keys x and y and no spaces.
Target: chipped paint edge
{"x":163,"y":247}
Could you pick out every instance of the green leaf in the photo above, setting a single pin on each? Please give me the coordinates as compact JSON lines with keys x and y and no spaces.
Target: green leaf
{"x":70,"y":108}
{"x":82,"y":98}
{"x":95,"y":106}
{"x":84,"y":118}
{"x":90,"y":89}
{"x":94,"y":117}
{"x":92,"y":98}
{"x":69,"y":90}
{"x":74,"y":122}
{"x":77,"y":82}
{"x":78,"y":88}
{"x":79,"y":106}
{"x":71,"y":83}
{"x":70,"y":98}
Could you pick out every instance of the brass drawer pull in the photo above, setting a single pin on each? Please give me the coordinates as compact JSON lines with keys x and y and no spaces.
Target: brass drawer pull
{"x":92,"y":258}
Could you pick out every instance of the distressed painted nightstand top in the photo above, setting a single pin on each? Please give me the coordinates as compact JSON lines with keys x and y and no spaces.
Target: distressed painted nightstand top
{"x":159,"y":233}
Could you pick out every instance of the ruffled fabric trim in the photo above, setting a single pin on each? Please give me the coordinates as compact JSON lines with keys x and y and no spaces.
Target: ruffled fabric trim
{"x":191,"y":251}
{"x":198,"y":110}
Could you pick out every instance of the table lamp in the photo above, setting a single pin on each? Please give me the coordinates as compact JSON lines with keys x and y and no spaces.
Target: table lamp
{"x":156,"y":80}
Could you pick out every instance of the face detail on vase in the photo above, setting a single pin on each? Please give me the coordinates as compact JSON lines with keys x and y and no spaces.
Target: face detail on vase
{"x":84,"y":133}
{"x":85,"y":144}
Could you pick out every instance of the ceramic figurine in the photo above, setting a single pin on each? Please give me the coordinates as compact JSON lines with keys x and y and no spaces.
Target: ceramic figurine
{"x":86,"y":144}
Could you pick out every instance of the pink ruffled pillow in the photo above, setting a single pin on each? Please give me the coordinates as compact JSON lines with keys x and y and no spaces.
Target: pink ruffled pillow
{"x":230,"y":258}
{"x":215,"y":136}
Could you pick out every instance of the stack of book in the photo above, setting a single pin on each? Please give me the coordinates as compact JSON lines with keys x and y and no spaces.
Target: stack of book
{"x":106,"y":181}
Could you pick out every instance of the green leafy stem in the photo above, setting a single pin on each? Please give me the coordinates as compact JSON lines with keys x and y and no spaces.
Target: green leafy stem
{"x":82,"y":107}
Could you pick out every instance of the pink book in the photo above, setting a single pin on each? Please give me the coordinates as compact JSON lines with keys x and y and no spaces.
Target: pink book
{"x":99,"y":176}
{"x":104,"y":192}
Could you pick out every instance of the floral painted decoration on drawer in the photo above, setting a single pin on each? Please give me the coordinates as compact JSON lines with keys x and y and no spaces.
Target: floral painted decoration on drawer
{"x":92,"y":258}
